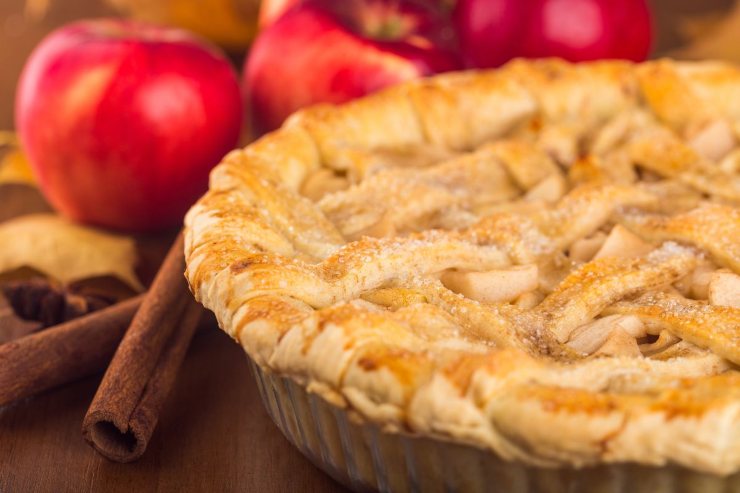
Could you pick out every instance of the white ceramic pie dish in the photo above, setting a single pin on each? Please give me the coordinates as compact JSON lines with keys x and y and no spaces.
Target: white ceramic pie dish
{"x":363,"y":457}
{"x":390,"y":357}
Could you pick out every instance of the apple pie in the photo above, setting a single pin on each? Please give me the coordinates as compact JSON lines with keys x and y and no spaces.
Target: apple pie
{"x":525,"y":278}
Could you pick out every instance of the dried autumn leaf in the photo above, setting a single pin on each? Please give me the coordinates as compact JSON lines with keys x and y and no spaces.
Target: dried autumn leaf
{"x":229,"y":23}
{"x":66,"y":251}
{"x":50,"y":303}
{"x":12,"y":326}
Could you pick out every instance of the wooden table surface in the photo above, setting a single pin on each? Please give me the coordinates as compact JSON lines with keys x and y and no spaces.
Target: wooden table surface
{"x":213,"y":435}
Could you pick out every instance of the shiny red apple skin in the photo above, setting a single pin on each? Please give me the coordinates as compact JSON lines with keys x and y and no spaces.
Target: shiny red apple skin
{"x":315,"y":53}
{"x":123,"y":121}
{"x":495,"y":31}
{"x":582,"y":30}
{"x":490,"y":30}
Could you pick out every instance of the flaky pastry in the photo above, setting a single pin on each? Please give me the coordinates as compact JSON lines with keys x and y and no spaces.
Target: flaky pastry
{"x":542,"y":261}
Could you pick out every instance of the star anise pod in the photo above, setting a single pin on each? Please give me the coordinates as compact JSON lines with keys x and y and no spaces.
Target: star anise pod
{"x":49,"y":303}
{"x":12,"y":326}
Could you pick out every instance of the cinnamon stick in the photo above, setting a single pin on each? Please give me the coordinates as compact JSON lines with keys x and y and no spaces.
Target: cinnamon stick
{"x":63,"y":353}
{"x":125,"y":409}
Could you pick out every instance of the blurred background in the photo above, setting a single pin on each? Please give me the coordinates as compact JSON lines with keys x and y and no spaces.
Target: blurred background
{"x":23,"y":23}
{"x":683,"y":28}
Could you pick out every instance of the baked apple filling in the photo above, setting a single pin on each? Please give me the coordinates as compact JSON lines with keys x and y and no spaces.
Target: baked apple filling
{"x":494,"y":257}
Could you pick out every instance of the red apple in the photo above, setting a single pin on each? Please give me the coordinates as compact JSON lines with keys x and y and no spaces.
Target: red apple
{"x":490,"y":30}
{"x":122,"y":121}
{"x":325,"y":51}
{"x":495,"y":31}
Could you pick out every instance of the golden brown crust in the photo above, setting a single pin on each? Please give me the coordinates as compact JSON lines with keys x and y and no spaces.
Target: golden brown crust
{"x":604,"y":359}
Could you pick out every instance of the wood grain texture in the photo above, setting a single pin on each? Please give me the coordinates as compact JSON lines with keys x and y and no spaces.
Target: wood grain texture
{"x":213,"y":435}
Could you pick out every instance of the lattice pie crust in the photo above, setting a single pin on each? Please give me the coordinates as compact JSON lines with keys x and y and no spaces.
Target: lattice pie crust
{"x":541,"y":260}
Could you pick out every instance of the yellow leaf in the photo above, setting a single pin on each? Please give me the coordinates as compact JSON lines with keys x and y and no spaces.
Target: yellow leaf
{"x":14,"y":168}
{"x":229,"y":23}
{"x":65,"y":251}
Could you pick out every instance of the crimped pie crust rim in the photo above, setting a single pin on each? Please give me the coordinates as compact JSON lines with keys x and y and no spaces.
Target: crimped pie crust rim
{"x":214,"y":284}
